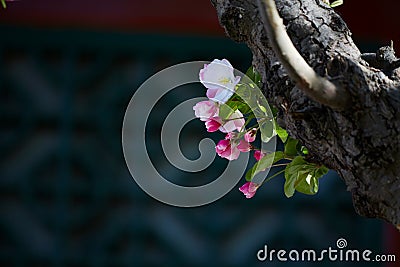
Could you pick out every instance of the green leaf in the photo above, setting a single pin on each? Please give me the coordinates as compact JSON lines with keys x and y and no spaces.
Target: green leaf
{"x":263,"y":109}
{"x":243,"y":91}
{"x":282,"y":133}
{"x":253,"y":74}
{"x":304,"y":150}
{"x":302,"y":176}
{"x":3,"y":3}
{"x":307,"y":185}
{"x":321,"y":171}
{"x":291,"y":147}
{"x":225,"y":111}
{"x":243,"y":107}
{"x":266,"y":129}
{"x":264,"y":163}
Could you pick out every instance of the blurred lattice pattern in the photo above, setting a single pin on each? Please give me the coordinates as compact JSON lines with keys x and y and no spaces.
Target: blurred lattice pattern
{"x":66,"y":196}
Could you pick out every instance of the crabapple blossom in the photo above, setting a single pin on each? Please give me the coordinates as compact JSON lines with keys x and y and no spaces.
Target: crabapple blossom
{"x":230,"y":135}
{"x":243,"y":146}
{"x":258,"y":155}
{"x":219,"y":79}
{"x":249,"y":189}
{"x":205,"y":110}
{"x":231,"y":148}
{"x":234,"y":122}
{"x":250,"y":136}
{"x":227,"y":149}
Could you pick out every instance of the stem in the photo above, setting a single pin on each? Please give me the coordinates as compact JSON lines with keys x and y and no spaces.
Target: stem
{"x":233,"y":119}
{"x":269,"y":178}
{"x":280,"y":165}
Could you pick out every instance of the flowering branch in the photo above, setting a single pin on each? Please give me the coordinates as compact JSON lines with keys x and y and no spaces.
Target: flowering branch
{"x":223,"y":111}
{"x":315,"y":86}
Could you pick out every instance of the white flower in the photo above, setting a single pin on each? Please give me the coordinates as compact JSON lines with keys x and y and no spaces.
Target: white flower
{"x":219,"y":79}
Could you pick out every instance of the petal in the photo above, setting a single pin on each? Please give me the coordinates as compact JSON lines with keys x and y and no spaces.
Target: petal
{"x":212,"y":125}
{"x":243,"y":146}
{"x":258,"y":155}
{"x":250,"y":136}
{"x":234,"y":154}
{"x":211,"y":93}
{"x":253,"y":187}
{"x":245,"y":188}
{"x":205,"y":110}
{"x":229,"y":136}
{"x":223,"y":94}
{"x":237,"y":80}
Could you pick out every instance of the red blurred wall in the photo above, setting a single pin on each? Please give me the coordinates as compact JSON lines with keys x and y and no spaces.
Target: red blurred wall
{"x":128,"y":15}
{"x":369,"y":20}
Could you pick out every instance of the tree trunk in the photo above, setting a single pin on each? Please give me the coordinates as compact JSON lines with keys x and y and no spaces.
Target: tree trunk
{"x":360,"y":142}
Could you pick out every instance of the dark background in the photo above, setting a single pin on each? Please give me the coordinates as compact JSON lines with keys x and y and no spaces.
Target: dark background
{"x":67,"y":72}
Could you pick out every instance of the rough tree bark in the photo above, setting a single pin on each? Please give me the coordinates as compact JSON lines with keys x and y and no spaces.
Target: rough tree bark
{"x":361,"y":141}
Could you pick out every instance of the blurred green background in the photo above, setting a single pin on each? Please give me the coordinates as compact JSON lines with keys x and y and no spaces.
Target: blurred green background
{"x":67,"y":73}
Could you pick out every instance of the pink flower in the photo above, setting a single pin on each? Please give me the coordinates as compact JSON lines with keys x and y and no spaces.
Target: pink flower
{"x":258,"y":155}
{"x":205,"y":110}
{"x":213,"y":125}
{"x":219,"y":79}
{"x":230,"y":148}
{"x":250,"y":136}
{"x":249,"y":189}
{"x":234,"y":122}
{"x":229,"y":136}
{"x":226,"y":149}
{"x":243,"y":146}
{"x":208,"y":111}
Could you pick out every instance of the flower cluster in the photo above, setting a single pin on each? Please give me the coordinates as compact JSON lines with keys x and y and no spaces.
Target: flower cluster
{"x":227,"y":111}
{"x":219,"y":79}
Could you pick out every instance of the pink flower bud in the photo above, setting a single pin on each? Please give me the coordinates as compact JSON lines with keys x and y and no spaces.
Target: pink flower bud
{"x":250,"y":136}
{"x":243,"y":146}
{"x":249,"y":189}
{"x":258,"y":155}
{"x":229,"y":136}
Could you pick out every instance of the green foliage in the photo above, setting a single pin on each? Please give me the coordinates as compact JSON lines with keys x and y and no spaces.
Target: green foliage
{"x":304,"y":150}
{"x":227,"y":109}
{"x":3,"y":3}
{"x":291,"y":147}
{"x":253,"y":74}
{"x":282,"y":133}
{"x":264,"y":163}
{"x":302,"y":176}
{"x":267,"y":129}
